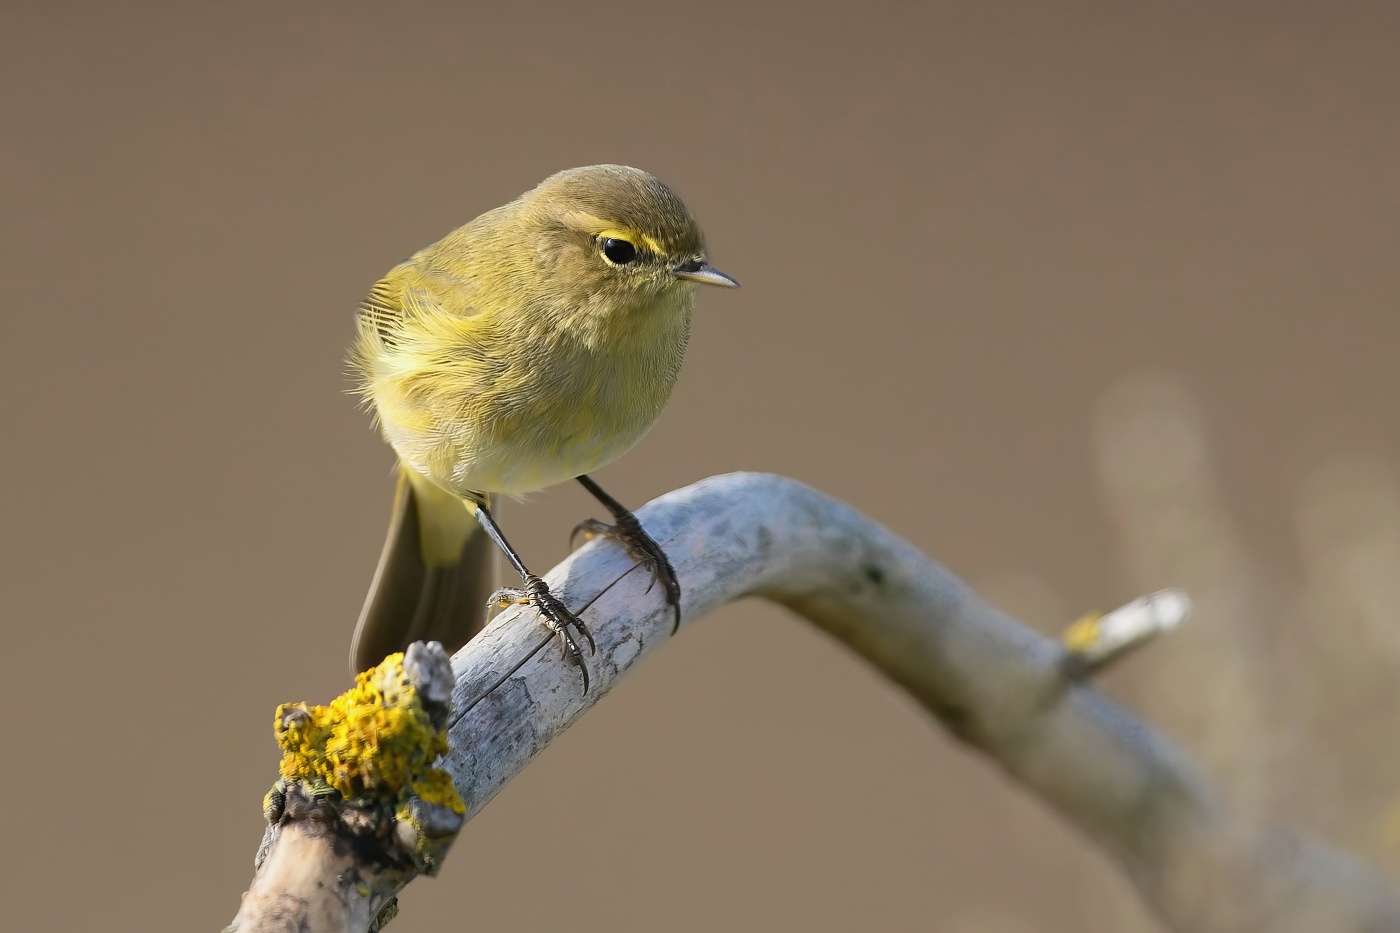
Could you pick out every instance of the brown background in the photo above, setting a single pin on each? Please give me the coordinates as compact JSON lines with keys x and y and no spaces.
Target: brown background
{"x":965,"y":232}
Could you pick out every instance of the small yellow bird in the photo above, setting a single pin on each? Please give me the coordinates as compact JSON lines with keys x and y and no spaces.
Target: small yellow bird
{"x":531,"y":346}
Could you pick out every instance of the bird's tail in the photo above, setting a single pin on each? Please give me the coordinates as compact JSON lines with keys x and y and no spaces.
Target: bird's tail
{"x":435,"y":574}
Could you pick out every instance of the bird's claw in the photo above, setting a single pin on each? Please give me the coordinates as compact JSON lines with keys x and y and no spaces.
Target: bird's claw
{"x":555,"y":615}
{"x":630,"y":534}
{"x":590,"y":528}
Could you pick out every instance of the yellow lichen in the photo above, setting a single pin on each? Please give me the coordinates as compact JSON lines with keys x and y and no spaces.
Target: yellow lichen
{"x":435,"y":786}
{"x":1083,"y":633}
{"x":375,"y":740}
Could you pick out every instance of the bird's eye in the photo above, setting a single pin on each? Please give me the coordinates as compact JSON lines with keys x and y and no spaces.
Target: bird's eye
{"x":617,"y":251}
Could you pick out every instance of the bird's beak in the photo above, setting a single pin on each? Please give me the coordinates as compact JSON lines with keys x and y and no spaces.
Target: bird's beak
{"x":704,"y":273}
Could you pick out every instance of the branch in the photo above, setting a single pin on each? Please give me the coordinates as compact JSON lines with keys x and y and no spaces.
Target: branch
{"x":1013,"y":695}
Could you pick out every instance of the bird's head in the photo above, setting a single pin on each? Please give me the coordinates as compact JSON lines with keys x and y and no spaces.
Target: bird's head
{"x":619,"y":235}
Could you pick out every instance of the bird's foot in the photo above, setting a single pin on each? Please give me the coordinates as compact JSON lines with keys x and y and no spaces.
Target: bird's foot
{"x":630,"y":534}
{"x":555,"y":615}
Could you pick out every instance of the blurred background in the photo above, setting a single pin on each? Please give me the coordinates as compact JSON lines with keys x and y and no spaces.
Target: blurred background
{"x":1084,"y":299}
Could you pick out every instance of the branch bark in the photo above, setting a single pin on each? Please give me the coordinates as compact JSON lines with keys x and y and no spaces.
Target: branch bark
{"x":1001,"y":688}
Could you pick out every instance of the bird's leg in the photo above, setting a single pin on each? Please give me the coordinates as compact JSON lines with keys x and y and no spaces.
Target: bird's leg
{"x":557,"y":617}
{"x":630,"y":533}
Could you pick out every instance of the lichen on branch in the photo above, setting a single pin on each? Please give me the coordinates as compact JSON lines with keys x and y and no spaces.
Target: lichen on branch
{"x":375,"y":742}
{"x":360,"y":806}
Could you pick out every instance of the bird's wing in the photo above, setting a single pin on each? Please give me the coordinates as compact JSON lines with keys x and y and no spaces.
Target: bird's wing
{"x":407,"y":319}
{"x":382,"y":311}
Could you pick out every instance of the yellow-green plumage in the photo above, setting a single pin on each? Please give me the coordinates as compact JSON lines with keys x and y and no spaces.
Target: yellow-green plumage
{"x":511,"y":355}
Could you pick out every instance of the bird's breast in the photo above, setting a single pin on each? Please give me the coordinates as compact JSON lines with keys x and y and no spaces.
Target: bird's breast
{"x":558,"y":402}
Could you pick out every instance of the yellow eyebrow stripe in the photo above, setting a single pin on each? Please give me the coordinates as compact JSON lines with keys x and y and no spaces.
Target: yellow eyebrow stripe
{"x":604,"y":228}
{"x":636,"y":237}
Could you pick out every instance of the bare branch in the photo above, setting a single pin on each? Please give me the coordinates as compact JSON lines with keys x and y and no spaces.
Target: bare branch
{"x":1096,"y":641}
{"x":995,"y":684}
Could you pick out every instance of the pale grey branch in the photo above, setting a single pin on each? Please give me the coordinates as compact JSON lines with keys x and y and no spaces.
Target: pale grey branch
{"x":993,"y":682}
{"x":1001,"y":688}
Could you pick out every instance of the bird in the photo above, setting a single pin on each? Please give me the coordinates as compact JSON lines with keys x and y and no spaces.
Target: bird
{"x":529,"y":347}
